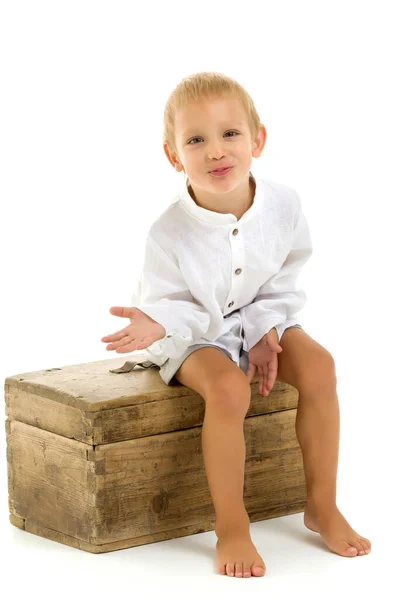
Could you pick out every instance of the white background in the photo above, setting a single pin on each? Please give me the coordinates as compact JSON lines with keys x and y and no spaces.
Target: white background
{"x":84,"y":175}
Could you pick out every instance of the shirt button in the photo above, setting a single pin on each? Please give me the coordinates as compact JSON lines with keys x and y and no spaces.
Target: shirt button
{"x":238,"y":271}
{"x":230,"y":304}
{"x":235,"y":231}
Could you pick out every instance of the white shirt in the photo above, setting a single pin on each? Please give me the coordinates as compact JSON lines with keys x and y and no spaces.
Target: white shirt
{"x":204,"y":270}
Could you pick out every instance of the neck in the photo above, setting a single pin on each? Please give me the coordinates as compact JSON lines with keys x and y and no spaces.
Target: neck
{"x":237,"y":202}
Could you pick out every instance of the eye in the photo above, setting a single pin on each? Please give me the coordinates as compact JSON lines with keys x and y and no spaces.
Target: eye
{"x":190,"y":141}
{"x":199,"y":138}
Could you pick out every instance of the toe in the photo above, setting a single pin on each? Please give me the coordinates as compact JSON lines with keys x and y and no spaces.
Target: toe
{"x":364,"y":547}
{"x":246,"y":570}
{"x":230,"y":569}
{"x":345,"y":549}
{"x":258,"y":571}
{"x":357,"y":544}
{"x":239,"y":569}
{"x":221,"y":569}
{"x":367,"y":544}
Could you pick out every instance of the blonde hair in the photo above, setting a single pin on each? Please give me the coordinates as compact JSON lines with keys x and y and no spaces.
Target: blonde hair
{"x":205,"y":85}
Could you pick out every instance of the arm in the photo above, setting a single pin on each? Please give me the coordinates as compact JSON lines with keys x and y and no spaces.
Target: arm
{"x":278,"y":299}
{"x":163,"y":295}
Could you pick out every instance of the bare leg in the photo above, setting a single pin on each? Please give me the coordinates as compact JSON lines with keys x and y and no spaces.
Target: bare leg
{"x":224,"y":453}
{"x":317,"y":429}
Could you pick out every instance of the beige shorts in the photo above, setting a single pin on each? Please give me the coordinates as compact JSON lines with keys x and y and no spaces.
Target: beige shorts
{"x":170,"y":367}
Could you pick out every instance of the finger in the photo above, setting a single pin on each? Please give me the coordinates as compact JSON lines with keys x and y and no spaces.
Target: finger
{"x":274,"y":346}
{"x":122,"y":311}
{"x":118,"y":343}
{"x":114,"y":336}
{"x":134,"y":345}
{"x":272,"y":342}
{"x":250,"y":372}
{"x":272,"y":373}
{"x":266,"y":388}
{"x":262,"y":379}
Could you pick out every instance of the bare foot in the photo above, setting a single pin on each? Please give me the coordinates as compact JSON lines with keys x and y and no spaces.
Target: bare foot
{"x":335,"y":531}
{"x":238,"y":557}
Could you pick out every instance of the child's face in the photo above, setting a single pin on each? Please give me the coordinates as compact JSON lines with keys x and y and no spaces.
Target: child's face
{"x":214,"y":133}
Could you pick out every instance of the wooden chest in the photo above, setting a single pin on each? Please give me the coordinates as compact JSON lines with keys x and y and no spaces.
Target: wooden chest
{"x":103,"y":460}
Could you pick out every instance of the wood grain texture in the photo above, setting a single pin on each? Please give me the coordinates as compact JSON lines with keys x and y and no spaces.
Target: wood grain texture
{"x":147,"y":488}
{"x":88,"y":403}
{"x":102,"y":461}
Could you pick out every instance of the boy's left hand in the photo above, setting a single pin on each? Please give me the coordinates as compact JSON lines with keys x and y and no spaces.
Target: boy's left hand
{"x":264,"y":357}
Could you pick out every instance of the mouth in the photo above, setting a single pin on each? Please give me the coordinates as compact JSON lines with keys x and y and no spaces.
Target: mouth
{"x":220,"y":172}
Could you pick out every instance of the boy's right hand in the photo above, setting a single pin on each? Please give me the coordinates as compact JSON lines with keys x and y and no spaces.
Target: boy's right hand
{"x":142,"y":332}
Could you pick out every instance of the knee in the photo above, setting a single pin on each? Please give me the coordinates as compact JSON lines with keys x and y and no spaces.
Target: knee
{"x":320,"y":372}
{"x":230,"y":394}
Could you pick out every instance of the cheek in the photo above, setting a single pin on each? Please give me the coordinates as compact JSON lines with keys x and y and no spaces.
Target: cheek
{"x":192,"y":159}
{"x":243,"y":153}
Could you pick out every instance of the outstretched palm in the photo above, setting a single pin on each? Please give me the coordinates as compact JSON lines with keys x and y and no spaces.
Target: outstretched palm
{"x":140,"y":334}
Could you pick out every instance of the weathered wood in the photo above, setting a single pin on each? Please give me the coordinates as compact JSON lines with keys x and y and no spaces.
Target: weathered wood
{"x":51,"y":479}
{"x":144,"y":487}
{"x":102,"y":475}
{"x":32,"y":527}
{"x":88,"y":403}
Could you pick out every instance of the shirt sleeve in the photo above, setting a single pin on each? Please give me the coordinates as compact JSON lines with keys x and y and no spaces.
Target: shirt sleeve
{"x":278,"y":299}
{"x":163,"y":295}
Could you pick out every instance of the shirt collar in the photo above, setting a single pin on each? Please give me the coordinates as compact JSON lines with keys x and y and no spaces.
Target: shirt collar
{"x":214,"y":218}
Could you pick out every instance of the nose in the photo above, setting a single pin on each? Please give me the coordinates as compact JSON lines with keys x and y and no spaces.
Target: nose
{"x":216,"y":149}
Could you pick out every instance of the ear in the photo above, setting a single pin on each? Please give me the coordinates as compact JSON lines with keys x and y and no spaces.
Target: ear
{"x":172,"y":157}
{"x":259,"y":142}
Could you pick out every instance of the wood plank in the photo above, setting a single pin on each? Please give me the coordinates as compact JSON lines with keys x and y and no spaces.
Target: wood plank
{"x":146,"y":486}
{"x":140,"y":418}
{"x":51,"y":479}
{"x":45,"y":413}
{"x":97,"y":548}
{"x":158,"y":482}
{"x":91,"y":387}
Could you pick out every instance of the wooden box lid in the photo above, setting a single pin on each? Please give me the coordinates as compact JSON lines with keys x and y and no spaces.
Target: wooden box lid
{"x":108,"y":401}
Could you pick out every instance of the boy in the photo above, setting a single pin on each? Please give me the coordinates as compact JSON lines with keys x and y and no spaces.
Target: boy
{"x":217,"y":301}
